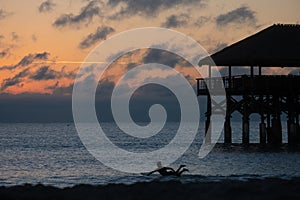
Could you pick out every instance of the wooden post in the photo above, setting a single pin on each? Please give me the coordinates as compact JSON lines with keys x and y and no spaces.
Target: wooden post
{"x":297,"y":120}
{"x":227,"y":129}
{"x":229,"y":77}
{"x":269,"y":129}
{"x":278,"y":120}
{"x":276,"y":137}
{"x":227,"y":123}
{"x":291,"y":129}
{"x":297,"y":128}
{"x":276,"y":130}
{"x":262,"y":125}
{"x":208,"y":112}
{"x":262,"y":130}
{"x":259,"y":70}
{"x":198,"y":86}
{"x":208,"y":121}
{"x":246,"y":128}
{"x":291,"y":125}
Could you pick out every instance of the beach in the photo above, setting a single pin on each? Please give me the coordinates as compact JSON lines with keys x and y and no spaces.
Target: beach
{"x":270,"y":188}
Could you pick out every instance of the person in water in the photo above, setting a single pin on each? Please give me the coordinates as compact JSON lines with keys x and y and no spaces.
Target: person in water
{"x":168,"y":171}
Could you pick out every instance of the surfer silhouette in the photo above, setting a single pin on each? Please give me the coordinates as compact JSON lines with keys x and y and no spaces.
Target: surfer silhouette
{"x":168,"y":171}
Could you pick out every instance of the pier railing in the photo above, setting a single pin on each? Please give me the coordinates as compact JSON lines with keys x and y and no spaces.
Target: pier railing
{"x":244,"y":84}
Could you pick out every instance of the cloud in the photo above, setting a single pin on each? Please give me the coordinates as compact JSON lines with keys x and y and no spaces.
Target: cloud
{"x":34,"y":38}
{"x":174,"y":21}
{"x":30,"y":58}
{"x":100,"y":34}
{"x":146,"y":7}
{"x":146,"y":96}
{"x":14,"y":36}
{"x":46,"y":6}
{"x":4,"y":14}
{"x":27,"y":60}
{"x":105,"y":88}
{"x":16,"y":80}
{"x":42,"y":56}
{"x":201,"y":21}
{"x":86,"y":15}
{"x":163,"y":57}
{"x":4,"y":53}
{"x":239,"y":16}
{"x":62,"y":90}
{"x":45,"y":73}
{"x":53,"y":87}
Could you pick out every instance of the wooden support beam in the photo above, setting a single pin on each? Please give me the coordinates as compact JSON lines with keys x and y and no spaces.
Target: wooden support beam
{"x":297,"y":128}
{"x":246,"y":129}
{"x":209,"y":77}
{"x":269,"y":129}
{"x":198,"y":86}
{"x":291,"y":122}
{"x":227,"y":130}
{"x":292,"y":132}
{"x":262,"y":131}
{"x":297,"y":119}
{"x":229,"y":76}
{"x":262,"y":125}
{"x":276,"y":136}
{"x":276,"y":130}
{"x":208,"y":121}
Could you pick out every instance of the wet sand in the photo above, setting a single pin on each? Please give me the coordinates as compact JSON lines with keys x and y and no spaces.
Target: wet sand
{"x":252,"y":189}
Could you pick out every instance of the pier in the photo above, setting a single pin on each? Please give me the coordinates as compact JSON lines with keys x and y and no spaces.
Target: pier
{"x":269,"y":96}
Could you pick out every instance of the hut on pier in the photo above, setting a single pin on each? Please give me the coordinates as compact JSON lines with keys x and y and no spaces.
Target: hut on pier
{"x":267,"y":95}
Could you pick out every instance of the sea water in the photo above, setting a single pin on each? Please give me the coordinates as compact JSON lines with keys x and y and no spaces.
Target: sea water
{"x":53,"y":154}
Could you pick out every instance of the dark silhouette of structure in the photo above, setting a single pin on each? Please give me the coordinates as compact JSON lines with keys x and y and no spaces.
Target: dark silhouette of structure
{"x":267,"y":95}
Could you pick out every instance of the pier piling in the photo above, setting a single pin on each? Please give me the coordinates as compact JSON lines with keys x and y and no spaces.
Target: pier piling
{"x":227,"y":130}
{"x":246,"y":129}
{"x":262,"y":133}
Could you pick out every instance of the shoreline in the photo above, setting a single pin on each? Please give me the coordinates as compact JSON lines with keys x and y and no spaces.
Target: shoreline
{"x":269,"y":188}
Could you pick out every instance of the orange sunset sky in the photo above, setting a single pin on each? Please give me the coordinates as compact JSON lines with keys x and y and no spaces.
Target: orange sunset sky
{"x":42,"y":42}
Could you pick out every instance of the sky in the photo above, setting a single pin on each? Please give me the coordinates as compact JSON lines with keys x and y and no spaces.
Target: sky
{"x":44,"y":42}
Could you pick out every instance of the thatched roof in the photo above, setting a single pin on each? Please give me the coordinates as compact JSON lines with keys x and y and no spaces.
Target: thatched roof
{"x":276,"y":46}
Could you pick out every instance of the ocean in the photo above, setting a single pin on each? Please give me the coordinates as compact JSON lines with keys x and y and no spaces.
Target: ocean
{"x":53,"y":154}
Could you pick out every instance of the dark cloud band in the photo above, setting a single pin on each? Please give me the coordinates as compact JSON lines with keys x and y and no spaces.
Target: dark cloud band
{"x":239,"y":16}
{"x":100,"y":34}
{"x":146,"y":7}
{"x":175,"y":21}
{"x":46,"y":6}
{"x":27,"y":60}
{"x":85,"y":16}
